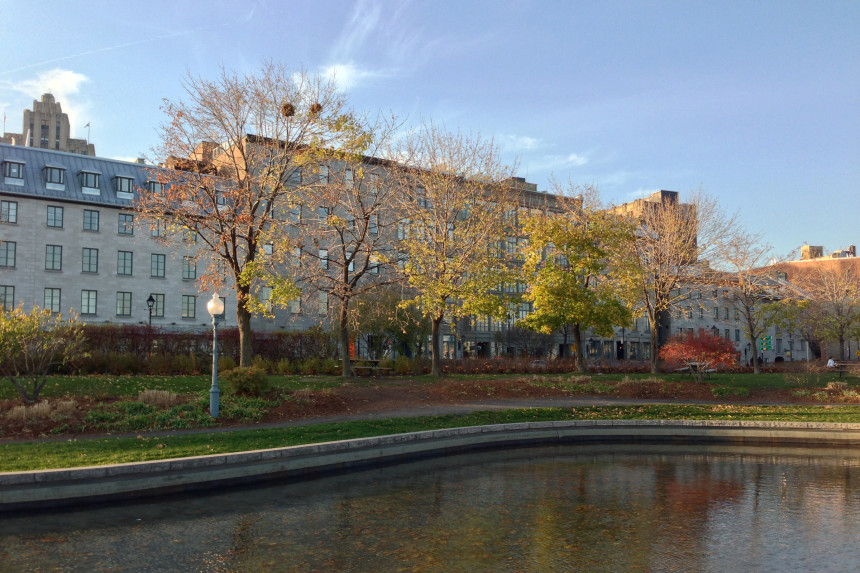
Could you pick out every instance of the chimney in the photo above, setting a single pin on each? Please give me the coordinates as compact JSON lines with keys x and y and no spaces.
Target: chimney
{"x":852,"y":251}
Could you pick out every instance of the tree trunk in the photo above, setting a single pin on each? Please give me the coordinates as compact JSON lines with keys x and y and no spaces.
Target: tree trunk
{"x":436,"y":344}
{"x":756,"y":366}
{"x":243,"y":320}
{"x":564,"y":333}
{"x":841,"y":347}
{"x":343,"y":327}
{"x":579,"y":359}
{"x":655,"y":344}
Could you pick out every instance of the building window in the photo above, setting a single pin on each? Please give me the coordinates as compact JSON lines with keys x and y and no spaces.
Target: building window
{"x":189,"y":268}
{"x":124,"y":185}
{"x":737,"y":315}
{"x":726,"y":313}
{"x":7,"y":297}
{"x":323,"y":175}
{"x":348,"y":179}
{"x":268,"y":248}
{"x":8,"y":211}
{"x":158,"y":307}
{"x":91,"y":220}
{"x":123,"y":304}
{"x":53,"y":257}
{"x":55,"y":176}
{"x":154,"y":187}
{"x":189,"y":306}
{"x":124,"y":263}
{"x":716,"y":312}
{"x":125,"y":226}
{"x":13,"y":170}
{"x":157,"y":266}
{"x":157,"y":229}
{"x":89,"y":300}
{"x":296,"y":305}
{"x":7,"y":253}
{"x":89,"y":180}
{"x":701,"y":311}
{"x":323,"y":304}
{"x":737,"y":335}
{"x":90,"y":261}
{"x":190,"y":236}
{"x":266,"y":298}
{"x":324,"y":259}
{"x":52,"y":299}
{"x":728,"y":334}
{"x":55,"y":217}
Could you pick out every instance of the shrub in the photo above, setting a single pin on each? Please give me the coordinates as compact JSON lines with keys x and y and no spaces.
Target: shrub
{"x":260,"y":363}
{"x":186,"y":364}
{"x":402,"y":365}
{"x":160,"y":398}
{"x":226,"y":363}
{"x":285,"y":366}
{"x":159,"y":364}
{"x":310,"y":366}
{"x":250,"y":381}
{"x":330,"y":366}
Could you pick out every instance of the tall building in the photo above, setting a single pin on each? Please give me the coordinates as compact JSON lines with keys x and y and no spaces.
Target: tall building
{"x":47,"y":127}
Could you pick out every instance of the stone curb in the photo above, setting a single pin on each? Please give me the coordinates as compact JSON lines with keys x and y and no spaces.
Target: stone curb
{"x":54,"y":488}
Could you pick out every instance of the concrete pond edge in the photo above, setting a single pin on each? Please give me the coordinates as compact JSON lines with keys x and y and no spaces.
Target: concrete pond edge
{"x":50,"y":489}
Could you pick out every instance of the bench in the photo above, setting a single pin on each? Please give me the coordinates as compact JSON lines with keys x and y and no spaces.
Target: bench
{"x":843,"y":368}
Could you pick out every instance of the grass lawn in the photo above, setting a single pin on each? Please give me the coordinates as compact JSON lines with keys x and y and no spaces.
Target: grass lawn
{"x":22,"y":456}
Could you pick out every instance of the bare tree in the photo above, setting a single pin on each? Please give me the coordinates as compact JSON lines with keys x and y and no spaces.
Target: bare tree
{"x":833,"y":313}
{"x":672,"y":240}
{"x":343,"y":244}
{"x":233,"y":151}
{"x":755,"y":291}
{"x":453,"y":230}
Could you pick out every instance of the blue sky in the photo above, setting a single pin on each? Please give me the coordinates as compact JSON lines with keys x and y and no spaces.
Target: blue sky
{"x":757,"y":103}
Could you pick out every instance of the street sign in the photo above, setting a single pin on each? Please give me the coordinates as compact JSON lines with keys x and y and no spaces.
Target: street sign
{"x":765,"y":343}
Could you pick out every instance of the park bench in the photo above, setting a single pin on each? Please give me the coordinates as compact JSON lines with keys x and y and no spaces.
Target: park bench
{"x":694,"y":368}
{"x":370,"y":369}
{"x":843,"y":368}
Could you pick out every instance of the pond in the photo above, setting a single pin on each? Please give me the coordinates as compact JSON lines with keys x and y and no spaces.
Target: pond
{"x":558,"y":508}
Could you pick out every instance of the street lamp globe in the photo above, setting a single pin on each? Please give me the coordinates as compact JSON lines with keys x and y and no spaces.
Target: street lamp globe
{"x":215,"y":306}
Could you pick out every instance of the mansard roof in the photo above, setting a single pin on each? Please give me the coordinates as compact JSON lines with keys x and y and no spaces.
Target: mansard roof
{"x":35,"y":184}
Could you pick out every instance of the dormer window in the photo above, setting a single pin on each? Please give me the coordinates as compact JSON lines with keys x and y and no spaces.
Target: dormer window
{"x":154,"y":187}
{"x":124,"y":187}
{"x":55,"y":178}
{"x":13,"y":172}
{"x":90,"y":182}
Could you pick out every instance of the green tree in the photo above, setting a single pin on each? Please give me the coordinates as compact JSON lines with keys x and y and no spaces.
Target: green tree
{"x":578,"y":263}
{"x":455,"y":195}
{"x":234,"y":151}
{"x":33,"y":343}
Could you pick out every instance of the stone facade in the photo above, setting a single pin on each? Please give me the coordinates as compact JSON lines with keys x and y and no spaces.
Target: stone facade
{"x":47,"y":127}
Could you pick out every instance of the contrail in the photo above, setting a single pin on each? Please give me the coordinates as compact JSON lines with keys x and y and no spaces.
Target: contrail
{"x":100,"y":50}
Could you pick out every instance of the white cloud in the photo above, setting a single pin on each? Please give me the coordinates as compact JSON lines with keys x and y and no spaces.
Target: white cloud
{"x":347,"y":76}
{"x":550,"y":162}
{"x":514,"y":143}
{"x":65,"y":85}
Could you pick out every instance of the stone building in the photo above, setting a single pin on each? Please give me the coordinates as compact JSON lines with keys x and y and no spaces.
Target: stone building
{"x":47,"y":127}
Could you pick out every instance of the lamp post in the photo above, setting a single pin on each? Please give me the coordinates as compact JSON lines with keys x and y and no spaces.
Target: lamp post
{"x":216,"y":308}
{"x":150,"y":302}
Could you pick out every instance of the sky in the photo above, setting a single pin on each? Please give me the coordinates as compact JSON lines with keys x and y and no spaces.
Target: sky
{"x":755,"y":103}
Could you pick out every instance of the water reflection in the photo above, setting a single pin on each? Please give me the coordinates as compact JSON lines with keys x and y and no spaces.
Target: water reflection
{"x":625,"y":508}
